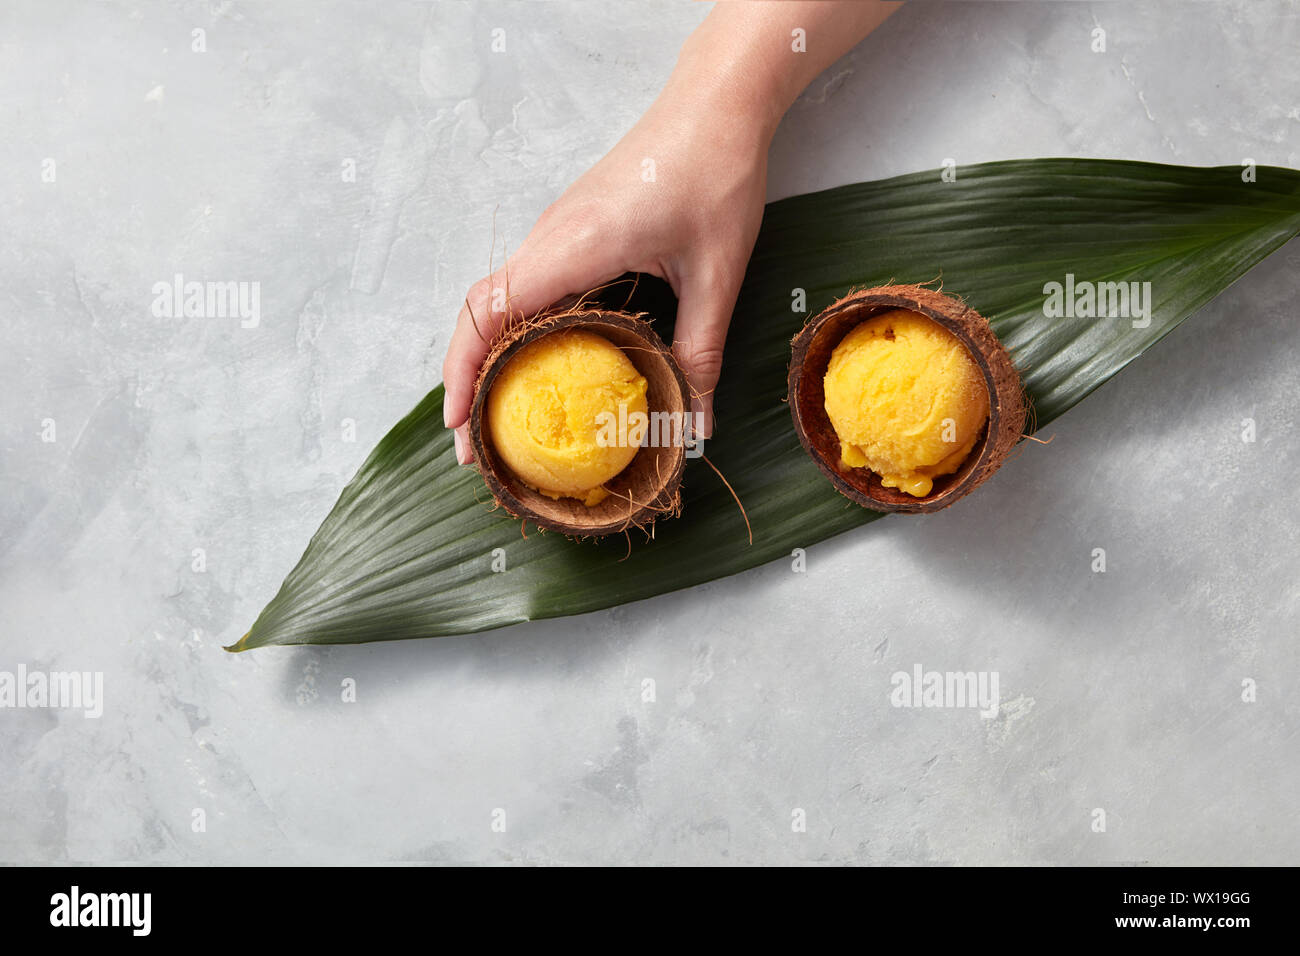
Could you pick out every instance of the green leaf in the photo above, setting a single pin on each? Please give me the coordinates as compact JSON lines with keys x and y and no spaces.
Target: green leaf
{"x":408,"y":549}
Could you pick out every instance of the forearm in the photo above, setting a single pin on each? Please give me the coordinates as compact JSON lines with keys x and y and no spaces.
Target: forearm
{"x":747,"y":65}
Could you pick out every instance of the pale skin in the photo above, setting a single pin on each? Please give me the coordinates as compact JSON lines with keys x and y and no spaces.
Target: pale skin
{"x":694,"y":226}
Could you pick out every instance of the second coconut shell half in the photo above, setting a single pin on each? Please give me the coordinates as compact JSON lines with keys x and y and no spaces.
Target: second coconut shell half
{"x":811,"y":353}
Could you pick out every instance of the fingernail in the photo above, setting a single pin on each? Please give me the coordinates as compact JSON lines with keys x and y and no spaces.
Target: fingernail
{"x":446,"y":414}
{"x":461,"y":457}
{"x":701,"y":424}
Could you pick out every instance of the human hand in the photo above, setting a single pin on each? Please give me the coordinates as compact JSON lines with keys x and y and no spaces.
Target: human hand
{"x":679,"y":197}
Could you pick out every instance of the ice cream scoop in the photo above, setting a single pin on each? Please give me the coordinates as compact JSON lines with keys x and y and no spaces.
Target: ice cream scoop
{"x":547,"y":409}
{"x":906,"y":400}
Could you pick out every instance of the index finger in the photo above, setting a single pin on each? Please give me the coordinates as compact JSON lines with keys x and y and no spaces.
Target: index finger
{"x":476,"y":327}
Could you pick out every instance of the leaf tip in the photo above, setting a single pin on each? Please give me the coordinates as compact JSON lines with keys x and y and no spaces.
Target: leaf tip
{"x":239,"y":645}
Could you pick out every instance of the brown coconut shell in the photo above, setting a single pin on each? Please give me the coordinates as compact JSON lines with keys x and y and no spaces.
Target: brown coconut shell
{"x":811,"y":354}
{"x":648,"y":488}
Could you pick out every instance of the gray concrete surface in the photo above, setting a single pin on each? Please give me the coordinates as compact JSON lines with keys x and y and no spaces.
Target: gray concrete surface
{"x":1119,"y":691}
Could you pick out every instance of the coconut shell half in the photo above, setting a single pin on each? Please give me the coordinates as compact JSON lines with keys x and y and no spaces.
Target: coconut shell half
{"x":811,"y":354}
{"x":647,"y":488}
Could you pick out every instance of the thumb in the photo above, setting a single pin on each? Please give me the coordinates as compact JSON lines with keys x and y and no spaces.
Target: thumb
{"x":703,"y":314}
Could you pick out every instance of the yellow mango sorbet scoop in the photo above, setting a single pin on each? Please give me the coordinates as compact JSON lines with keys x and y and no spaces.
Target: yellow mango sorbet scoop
{"x":546,"y":409}
{"x":905,"y":399}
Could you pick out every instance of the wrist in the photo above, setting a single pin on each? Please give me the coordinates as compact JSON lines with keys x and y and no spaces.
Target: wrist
{"x":736,"y":97}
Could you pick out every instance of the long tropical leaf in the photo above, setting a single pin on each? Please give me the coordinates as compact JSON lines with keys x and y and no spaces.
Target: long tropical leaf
{"x":408,"y":550}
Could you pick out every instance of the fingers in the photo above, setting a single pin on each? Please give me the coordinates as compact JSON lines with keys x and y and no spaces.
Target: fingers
{"x":703,"y":314}
{"x":476,"y":326}
{"x":464,"y":450}
{"x":541,"y":273}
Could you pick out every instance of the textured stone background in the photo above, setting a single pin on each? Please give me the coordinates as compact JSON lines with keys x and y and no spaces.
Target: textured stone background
{"x":1120,"y":691}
